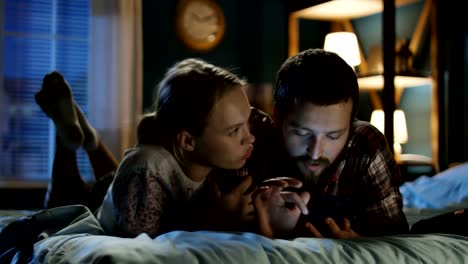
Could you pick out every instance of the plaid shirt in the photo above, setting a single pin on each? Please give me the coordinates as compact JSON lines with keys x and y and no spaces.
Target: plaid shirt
{"x":365,"y":172}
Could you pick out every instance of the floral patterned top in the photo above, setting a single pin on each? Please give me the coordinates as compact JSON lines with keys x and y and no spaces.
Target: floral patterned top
{"x":149,"y":194}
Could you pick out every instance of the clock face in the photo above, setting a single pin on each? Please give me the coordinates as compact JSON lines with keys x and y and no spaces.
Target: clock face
{"x":200,"y":24}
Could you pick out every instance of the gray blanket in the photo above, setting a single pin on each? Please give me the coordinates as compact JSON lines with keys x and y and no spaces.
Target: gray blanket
{"x":72,"y":234}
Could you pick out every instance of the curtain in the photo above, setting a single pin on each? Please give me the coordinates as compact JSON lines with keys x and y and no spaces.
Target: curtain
{"x":116,"y":71}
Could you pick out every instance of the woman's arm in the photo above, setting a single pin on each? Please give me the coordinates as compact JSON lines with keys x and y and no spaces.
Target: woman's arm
{"x":139,"y":197}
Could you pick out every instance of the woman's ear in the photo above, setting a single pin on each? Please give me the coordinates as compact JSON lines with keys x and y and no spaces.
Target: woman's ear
{"x":186,"y":141}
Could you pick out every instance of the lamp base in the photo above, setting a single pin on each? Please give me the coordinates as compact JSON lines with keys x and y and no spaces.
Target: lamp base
{"x":397,"y":151}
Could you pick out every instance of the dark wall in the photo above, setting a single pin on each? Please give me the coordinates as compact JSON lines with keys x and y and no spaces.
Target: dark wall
{"x":254,"y":44}
{"x":455,"y":40}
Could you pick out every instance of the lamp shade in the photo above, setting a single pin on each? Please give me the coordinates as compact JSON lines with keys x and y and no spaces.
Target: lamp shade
{"x":400,"y":131}
{"x":344,"y":44}
{"x":399,"y":126}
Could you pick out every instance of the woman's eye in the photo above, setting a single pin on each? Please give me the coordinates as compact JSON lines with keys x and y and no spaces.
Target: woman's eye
{"x":234,"y":131}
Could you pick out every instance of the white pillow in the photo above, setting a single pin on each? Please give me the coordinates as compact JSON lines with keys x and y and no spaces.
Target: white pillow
{"x":445,"y":189}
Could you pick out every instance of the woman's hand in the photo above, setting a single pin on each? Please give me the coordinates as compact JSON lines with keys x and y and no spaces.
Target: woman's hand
{"x":237,"y":204}
{"x":278,"y":211}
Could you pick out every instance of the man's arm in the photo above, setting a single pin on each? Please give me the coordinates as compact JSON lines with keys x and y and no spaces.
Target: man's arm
{"x":384,"y":212}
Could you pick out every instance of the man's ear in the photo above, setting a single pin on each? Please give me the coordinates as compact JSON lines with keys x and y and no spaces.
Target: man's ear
{"x":186,"y":141}
{"x":276,"y":118}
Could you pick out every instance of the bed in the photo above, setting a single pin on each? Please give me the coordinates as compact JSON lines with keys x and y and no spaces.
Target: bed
{"x":80,"y":239}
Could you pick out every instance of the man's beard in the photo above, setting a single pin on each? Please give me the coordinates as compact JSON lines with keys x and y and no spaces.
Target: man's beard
{"x":310,"y":176}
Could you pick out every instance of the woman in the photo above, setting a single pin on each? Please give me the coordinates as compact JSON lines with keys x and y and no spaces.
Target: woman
{"x":200,"y":123}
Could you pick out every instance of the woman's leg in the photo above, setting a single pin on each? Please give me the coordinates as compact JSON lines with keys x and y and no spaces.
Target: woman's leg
{"x":56,"y":101}
{"x":73,"y":130}
{"x":103,"y":162}
{"x":101,"y":158}
{"x":66,"y":185}
{"x":104,"y":166}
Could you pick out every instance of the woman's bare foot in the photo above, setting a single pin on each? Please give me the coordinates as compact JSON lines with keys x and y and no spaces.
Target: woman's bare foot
{"x":56,"y":100}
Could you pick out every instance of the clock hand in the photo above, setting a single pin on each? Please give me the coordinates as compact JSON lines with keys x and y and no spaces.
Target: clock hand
{"x":195,"y":16}
{"x":207,"y":18}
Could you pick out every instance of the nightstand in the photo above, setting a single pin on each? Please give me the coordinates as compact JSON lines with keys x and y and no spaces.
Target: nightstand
{"x":413,"y":166}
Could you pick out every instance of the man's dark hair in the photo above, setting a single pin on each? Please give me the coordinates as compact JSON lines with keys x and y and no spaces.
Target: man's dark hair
{"x":316,"y":76}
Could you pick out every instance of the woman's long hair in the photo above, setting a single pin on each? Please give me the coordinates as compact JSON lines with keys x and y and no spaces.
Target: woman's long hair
{"x":185,"y":98}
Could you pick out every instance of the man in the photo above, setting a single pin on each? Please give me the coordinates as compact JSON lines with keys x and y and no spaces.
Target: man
{"x":344,"y":163}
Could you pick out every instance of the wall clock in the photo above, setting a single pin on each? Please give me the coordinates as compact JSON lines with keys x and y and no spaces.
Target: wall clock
{"x":200,"y":24}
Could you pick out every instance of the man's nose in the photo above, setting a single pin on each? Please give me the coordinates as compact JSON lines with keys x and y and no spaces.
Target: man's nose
{"x":315,"y":148}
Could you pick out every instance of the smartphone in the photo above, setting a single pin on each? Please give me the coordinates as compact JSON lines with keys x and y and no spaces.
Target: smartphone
{"x":336,"y":207}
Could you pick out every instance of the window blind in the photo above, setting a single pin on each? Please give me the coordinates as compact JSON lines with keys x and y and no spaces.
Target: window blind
{"x":38,"y":36}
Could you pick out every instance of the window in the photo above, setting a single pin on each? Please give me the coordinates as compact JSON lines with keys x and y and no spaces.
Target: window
{"x":38,"y":36}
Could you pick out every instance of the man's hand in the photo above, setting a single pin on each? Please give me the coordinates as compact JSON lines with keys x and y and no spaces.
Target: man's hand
{"x":343,"y":232}
{"x":278,"y":211}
